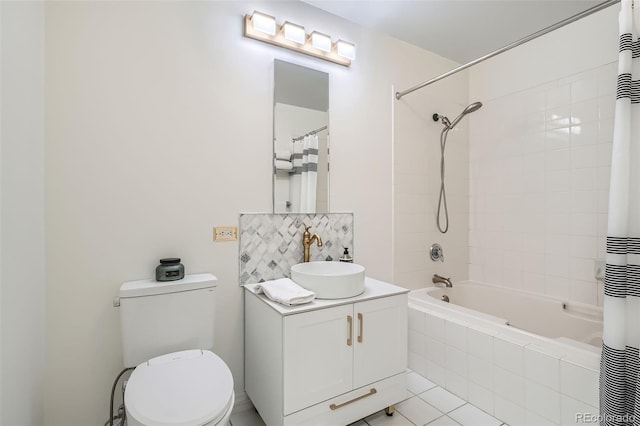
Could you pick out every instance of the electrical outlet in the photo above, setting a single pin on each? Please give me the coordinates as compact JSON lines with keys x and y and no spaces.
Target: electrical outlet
{"x":225,"y":233}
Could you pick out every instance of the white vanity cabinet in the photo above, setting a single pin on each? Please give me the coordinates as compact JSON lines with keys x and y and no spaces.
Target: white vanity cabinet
{"x":329,"y":362}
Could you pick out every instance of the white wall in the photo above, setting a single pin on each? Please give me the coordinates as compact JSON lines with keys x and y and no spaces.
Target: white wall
{"x":159,"y":127}
{"x":22,"y":261}
{"x":540,"y":154}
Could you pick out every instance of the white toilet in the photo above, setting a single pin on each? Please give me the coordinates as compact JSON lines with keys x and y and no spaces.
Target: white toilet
{"x":167,"y":331}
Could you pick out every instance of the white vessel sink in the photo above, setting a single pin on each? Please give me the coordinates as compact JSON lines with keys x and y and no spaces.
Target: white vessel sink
{"x":330,"y":280}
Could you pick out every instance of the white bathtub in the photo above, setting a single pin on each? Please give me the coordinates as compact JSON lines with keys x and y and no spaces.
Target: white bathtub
{"x":523,"y":358}
{"x":542,"y":316}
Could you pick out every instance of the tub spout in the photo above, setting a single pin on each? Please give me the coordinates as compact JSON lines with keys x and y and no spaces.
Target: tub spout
{"x":437,"y":279}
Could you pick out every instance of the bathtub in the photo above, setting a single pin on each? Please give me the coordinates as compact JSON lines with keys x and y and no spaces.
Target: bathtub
{"x":523,"y":358}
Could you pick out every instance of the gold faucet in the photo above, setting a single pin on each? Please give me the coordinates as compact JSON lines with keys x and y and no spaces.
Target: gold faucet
{"x":307,"y":240}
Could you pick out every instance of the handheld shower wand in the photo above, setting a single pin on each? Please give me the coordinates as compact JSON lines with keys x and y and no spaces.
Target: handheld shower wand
{"x":448,"y":125}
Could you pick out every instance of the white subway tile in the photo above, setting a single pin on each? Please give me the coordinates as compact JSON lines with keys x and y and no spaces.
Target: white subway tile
{"x":585,"y":134}
{"x":435,"y":372}
{"x":557,"y":287}
{"x":542,"y":366}
{"x":508,"y":411}
{"x":481,"y":397}
{"x":456,"y":384}
{"x":584,"y":179}
{"x":585,"y":111}
{"x":508,"y":385}
{"x":480,"y":371}
{"x":416,"y":342}
{"x":573,"y":412}
{"x":585,"y":88}
{"x":579,"y":383}
{"x":456,"y":334}
{"x":434,"y":351}
{"x":558,"y":96}
{"x":416,"y":363}
{"x":456,"y":361}
{"x":417,"y":319}
{"x":542,"y":401}
{"x":434,"y":327}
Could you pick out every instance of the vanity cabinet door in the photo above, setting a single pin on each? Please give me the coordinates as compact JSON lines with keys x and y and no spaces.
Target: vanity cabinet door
{"x":380,"y":342}
{"x":317,"y":356}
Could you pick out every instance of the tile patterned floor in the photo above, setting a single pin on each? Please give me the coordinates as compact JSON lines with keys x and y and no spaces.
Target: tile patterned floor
{"x":426,"y":404}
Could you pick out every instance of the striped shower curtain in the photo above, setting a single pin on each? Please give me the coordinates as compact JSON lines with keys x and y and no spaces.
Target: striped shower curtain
{"x":619,"y":393}
{"x":304,"y":179}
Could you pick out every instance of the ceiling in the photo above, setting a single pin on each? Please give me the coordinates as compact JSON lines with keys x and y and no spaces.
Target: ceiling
{"x":461,"y":30}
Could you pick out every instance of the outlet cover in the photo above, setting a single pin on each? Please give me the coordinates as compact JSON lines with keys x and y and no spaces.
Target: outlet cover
{"x":225,"y":233}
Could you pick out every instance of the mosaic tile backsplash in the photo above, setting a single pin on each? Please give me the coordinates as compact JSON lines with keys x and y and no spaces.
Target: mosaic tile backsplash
{"x":271,"y":243}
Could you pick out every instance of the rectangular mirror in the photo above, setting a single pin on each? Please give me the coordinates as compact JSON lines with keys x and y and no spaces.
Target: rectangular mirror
{"x":300,"y":139}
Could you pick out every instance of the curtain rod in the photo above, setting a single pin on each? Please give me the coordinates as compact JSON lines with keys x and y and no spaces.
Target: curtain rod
{"x":523,"y":40}
{"x":313,"y":132}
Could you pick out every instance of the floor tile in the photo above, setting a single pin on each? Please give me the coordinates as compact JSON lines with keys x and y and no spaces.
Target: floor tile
{"x":381,"y":418}
{"x":442,"y":399}
{"x":358,"y":423}
{"x":468,"y":415}
{"x":246,"y":418}
{"x":444,"y":421}
{"x":418,"y":384}
{"x":418,"y":411}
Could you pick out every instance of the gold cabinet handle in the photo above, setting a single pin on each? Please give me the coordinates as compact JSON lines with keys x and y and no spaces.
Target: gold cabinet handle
{"x":360,"y":322}
{"x":350,"y":325}
{"x":372,"y":391}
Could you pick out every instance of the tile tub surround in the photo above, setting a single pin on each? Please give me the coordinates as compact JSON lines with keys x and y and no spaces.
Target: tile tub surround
{"x":540,"y":161}
{"x":271,"y":243}
{"x":518,"y":377}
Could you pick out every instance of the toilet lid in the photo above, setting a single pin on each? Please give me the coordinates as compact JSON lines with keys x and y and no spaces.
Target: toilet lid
{"x":187,"y":388}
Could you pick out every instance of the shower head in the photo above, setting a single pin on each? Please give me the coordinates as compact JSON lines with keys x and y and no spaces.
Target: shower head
{"x":468,"y":110}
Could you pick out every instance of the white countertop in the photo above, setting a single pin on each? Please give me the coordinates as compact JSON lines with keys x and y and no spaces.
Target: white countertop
{"x":373,"y":289}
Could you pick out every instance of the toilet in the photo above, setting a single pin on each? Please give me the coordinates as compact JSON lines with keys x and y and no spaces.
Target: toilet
{"x":167,"y":335}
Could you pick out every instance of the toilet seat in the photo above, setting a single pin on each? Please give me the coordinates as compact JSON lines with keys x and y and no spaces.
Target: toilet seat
{"x":186,"y":388}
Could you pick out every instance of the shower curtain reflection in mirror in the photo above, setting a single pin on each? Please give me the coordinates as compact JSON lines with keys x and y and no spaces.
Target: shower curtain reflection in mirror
{"x":300,"y":139}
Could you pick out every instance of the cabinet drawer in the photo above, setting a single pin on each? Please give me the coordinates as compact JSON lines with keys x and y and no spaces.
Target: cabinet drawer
{"x":352,"y":406}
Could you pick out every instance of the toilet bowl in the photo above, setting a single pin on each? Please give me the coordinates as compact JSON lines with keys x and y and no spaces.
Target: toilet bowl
{"x":186,"y":388}
{"x":173,"y":384}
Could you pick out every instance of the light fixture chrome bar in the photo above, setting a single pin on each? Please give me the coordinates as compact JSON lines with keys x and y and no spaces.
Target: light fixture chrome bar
{"x":313,"y":132}
{"x":517,"y":43}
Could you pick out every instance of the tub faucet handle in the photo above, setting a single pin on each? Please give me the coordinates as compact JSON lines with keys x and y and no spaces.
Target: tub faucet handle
{"x":436,"y":252}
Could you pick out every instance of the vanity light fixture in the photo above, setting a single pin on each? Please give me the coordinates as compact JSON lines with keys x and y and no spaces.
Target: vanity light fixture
{"x":321,"y":41}
{"x":264,"y":23}
{"x":346,"y":49}
{"x":294,"y":32}
{"x":263,"y":27}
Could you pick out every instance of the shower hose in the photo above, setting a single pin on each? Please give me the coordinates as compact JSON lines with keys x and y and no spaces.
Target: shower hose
{"x":442,"y":201}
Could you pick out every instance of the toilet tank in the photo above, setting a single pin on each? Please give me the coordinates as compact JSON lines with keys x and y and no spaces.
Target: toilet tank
{"x":162,"y":317}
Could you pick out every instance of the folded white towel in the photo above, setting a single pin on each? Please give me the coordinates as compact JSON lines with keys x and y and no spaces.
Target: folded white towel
{"x":283,"y":165}
{"x":283,"y":154}
{"x":285,"y":291}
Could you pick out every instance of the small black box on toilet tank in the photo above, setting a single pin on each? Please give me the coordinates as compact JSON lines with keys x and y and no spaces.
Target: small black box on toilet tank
{"x":170,"y":269}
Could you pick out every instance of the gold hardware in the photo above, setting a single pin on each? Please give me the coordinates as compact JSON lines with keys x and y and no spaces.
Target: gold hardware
{"x":372,"y":391}
{"x":350,"y":338}
{"x":307,"y":240}
{"x":390,"y":410}
{"x":360,"y":321}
